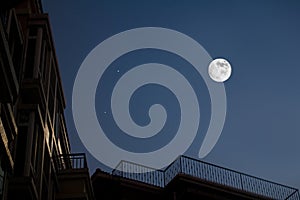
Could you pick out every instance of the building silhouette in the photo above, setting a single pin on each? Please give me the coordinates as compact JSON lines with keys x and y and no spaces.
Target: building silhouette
{"x":185,"y":178}
{"x":36,"y":162}
{"x":35,"y":158}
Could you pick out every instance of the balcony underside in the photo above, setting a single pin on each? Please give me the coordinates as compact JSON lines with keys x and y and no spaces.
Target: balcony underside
{"x":21,"y":188}
{"x":74,"y":184}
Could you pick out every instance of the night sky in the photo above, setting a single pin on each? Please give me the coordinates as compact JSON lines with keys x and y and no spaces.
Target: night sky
{"x":260,"y":39}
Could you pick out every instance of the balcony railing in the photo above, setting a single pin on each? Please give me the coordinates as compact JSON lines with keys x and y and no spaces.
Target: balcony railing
{"x":70,"y":161}
{"x":206,"y":172}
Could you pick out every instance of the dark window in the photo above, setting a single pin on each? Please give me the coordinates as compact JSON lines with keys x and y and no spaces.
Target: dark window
{"x":52,"y":94}
{"x":43,"y":59}
{"x":47,"y":165}
{"x":47,"y":65}
{"x":34,"y":147}
{"x":2,"y":178}
{"x":46,"y":175}
{"x":21,"y":147}
{"x":57,"y":125}
{"x":45,"y":191}
{"x":33,"y":31}
{"x":30,"y":55}
{"x":15,"y":46}
{"x":4,"y":18}
{"x":39,"y":151}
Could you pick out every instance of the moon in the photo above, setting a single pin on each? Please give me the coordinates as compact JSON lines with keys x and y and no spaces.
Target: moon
{"x":219,"y":70}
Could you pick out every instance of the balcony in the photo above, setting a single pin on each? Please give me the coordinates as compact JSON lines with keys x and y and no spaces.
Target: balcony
{"x":73,"y":177}
{"x":195,"y":174}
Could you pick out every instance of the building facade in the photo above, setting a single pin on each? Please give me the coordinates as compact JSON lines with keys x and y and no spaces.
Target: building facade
{"x":35,"y":159}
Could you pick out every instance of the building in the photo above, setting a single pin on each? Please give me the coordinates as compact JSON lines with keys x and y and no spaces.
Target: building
{"x":35,"y":158}
{"x":185,"y":178}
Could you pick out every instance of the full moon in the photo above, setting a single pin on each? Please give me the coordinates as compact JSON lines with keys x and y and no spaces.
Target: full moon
{"x":219,"y":70}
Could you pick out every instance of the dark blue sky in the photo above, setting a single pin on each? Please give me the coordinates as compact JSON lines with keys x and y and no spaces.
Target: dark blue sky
{"x":261,"y":39}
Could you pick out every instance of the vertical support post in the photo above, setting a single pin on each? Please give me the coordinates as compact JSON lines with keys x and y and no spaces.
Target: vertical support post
{"x":241,"y":182}
{"x":180,"y":165}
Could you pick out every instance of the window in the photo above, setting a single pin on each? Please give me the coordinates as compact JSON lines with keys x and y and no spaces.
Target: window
{"x":42,"y":60}
{"x":2,"y":178}
{"x":34,"y":147}
{"x":20,"y":156}
{"x":31,"y":46}
{"x":30,"y":57}
{"x":52,"y":94}
{"x":47,"y":68}
{"x":4,"y":18}
{"x":39,"y":152}
{"x":15,"y":42}
{"x":57,"y":125}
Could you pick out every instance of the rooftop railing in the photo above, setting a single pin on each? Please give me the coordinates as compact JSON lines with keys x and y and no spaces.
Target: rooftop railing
{"x":140,"y":173}
{"x":206,"y":172}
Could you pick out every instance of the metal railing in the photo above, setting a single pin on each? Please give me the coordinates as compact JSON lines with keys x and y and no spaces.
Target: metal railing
{"x":141,"y":173}
{"x":206,"y":172}
{"x":70,"y":161}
